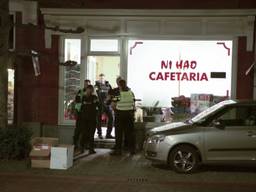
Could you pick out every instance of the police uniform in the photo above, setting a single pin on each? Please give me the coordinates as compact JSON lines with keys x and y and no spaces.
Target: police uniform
{"x":124,"y":117}
{"x":89,"y":110}
{"x":102,"y":90}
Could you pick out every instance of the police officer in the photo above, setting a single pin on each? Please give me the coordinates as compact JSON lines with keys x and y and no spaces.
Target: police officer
{"x":78,"y":104}
{"x":86,"y":83}
{"x":102,"y":88}
{"x":113,"y":93}
{"x":124,"y":117}
{"x":89,"y":110}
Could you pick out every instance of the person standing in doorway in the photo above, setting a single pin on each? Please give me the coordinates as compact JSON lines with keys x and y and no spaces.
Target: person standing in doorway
{"x":89,"y":110}
{"x":112,"y":94}
{"x":102,"y":88}
{"x":78,"y":104}
{"x":124,"y":116}
{"x":81,"y":92}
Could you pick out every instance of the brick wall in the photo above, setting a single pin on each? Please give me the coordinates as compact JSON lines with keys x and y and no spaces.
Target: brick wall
{"x":37,"y":97}
{"x":245,"y":60}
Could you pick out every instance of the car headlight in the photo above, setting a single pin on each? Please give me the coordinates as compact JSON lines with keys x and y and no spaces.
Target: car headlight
{"x":156,"y":139}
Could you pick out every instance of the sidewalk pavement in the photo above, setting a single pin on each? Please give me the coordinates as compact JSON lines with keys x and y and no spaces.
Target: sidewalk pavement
{"x":102,"y":173}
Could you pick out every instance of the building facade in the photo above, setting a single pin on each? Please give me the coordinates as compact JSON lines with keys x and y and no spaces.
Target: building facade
{"x":119,"y":36}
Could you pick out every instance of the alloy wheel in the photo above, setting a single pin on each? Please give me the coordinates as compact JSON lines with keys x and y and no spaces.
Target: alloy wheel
{"x":184,"y":159}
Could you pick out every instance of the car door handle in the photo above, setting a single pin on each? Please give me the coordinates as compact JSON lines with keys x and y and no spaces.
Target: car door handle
{"x":251,"y":134}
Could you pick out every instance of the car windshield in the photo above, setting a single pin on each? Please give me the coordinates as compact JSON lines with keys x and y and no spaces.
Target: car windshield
{"x":201,"y":116}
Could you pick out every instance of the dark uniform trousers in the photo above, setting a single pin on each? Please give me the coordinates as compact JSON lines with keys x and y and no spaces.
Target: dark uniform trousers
{"x":88,"y":128}
{"x":102,"y":91}
{"x":125,"y":127}
{"x":88,"y":121}
{"x":105,"y":109}
{"x":77,"y":130}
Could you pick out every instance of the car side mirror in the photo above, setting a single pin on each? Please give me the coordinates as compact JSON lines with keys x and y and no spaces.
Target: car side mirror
{"x":218,"y":124}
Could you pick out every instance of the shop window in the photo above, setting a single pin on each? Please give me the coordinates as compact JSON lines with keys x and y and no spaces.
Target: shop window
{"x":104,"y":45}
{"x":193,"y":71}
{"x":73,"y":50}
{"x":71,"y":76}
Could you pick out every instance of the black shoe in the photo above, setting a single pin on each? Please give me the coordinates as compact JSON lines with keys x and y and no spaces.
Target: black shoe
{"x":92,"y":151}
{"x":109,"y":137}
{"x":116,"y":153}
{"x":100,"y":137}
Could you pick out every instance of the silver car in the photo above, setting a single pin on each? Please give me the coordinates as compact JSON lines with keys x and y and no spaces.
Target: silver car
{"x":224,"y":132}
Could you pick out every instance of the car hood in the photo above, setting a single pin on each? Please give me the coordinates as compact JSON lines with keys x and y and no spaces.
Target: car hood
{"x":170,"y":128}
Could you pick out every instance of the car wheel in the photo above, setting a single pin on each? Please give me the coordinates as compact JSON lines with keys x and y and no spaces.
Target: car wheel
{"x":184,"y":159}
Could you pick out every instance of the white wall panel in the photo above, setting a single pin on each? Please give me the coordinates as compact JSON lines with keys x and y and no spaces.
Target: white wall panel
{"x":186,"y":27}
{"x":191,"y":23}
{"x":103,"y":26}
{"x":143,"y":27}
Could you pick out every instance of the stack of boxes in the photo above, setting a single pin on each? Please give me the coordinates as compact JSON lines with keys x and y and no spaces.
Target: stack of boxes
{"x":47,"y":153}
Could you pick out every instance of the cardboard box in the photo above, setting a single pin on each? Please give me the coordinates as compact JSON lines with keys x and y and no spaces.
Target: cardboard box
{"x":40,"y":163}
{"x":40,"y":158}
{"x":62,"y":157}
{"x":41,"y":151}
{"x":50,"y":141}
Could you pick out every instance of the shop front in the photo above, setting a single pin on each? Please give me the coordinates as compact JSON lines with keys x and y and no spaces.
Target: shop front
{"x":183,"y":60}
{"x":167,"y":58}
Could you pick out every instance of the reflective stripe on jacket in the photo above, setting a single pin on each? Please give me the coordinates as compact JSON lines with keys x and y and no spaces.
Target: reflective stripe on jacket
{"x":125,"y":101}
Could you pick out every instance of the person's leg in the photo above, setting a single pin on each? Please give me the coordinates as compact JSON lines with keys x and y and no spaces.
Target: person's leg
{"x":125,"y":141}
{"x":129,"y":131}
{"x":77,"y":133}
{"x":83,"y":140}
{"x":114,"y":124}
{"x":99,"y":129}
{"x":109,"y":114}
{"x":119,"y":133}
{"x":92,"y":127}
{"x":82,"y":132}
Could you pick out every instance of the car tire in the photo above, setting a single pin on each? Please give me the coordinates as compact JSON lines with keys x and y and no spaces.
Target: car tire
{"x":184,"y":159}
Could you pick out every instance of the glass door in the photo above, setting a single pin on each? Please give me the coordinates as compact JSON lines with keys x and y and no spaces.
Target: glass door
{"x":107,"y":65}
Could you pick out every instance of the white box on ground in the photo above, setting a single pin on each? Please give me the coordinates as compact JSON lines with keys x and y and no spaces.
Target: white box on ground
{"x":62,"y":157}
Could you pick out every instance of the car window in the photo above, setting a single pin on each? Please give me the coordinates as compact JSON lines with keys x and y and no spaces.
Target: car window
{"x":211,"y":110}
{"x":238,"y":116}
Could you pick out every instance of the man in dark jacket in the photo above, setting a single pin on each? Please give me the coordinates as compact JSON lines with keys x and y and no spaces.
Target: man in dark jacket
{"x":102,"y":88}
{"x":89,"y":110}
{"x":78,"y":104}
